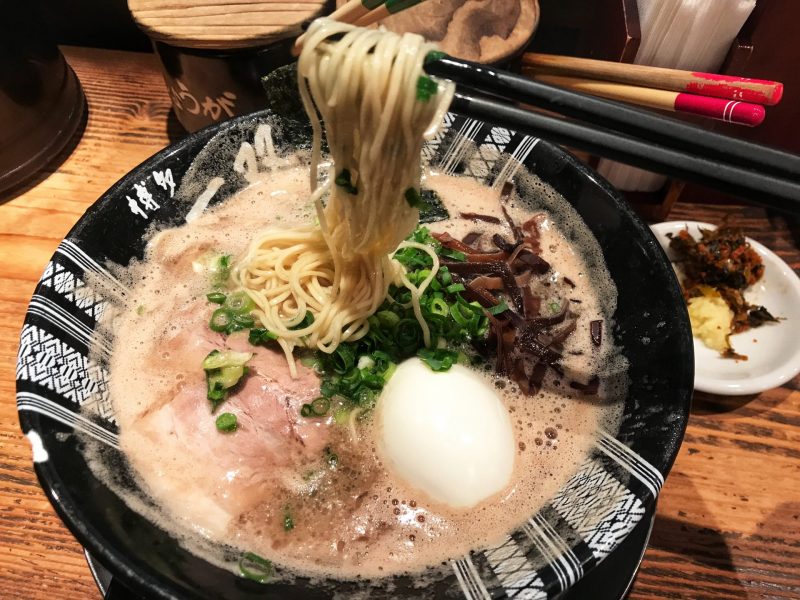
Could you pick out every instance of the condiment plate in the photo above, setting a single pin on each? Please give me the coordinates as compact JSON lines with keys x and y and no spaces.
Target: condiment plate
{"x":772,"y":349}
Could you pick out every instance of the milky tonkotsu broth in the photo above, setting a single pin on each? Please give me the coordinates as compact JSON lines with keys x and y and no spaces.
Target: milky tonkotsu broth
{"x":354,"y":520}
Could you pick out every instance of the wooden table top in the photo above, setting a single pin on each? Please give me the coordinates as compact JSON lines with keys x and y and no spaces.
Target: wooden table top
{"x":728,"y":522}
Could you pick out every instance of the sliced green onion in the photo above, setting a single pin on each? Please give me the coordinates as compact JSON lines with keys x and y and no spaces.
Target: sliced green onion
{"x":288,"y":521}
{"x":407,"y":333}
{"x":389,"y":372}
{"x":388,"y":318}
{"x":221,"y":319}
{"x":554,"y":307}
{"x":227,"y":377}
{"x":433,"y":56}
{"x":426,"y":88}
{"x":455,"y":287}
{"x":371,"y":379}
{"x":496,"y":310}
{"x":244,"y":321}
{"x":454,"y":255}
{"x":259,"y":336}
{"x":343,"y":358}
{"x":254,"y":567}
{"x":439,"y":307}
{"x":239,"y":303}
{"x":344,"y":181}
{"x":309,"y":360}
{"x":219,"y":267}
{"x":327,"y":388}
{"x":461,"y":315}
{"x":308,"y":320}
{"x":438,"y":359}
{"x":224,"y":369}
{"x":445,"y":276}
{"x":217,"y":359}
{"x":341,"y":416}
{"x":320,"y":406}
{"x":350,"y":380}
{"x":216,"y":297}
{"x":227,"y":422}
{"x":366,"y":398}
{"x":216,"y":393}
{"x":306,"y":410}
{"x":412,"y":197}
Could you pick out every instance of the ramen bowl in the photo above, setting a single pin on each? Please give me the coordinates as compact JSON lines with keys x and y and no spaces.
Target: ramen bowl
{"x":63,"y":401}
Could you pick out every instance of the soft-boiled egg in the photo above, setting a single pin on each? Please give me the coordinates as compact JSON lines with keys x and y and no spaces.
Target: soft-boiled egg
{"x":447,"y":434}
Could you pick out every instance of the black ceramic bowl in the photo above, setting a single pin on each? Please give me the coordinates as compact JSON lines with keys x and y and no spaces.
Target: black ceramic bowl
{"x":578,"y":528}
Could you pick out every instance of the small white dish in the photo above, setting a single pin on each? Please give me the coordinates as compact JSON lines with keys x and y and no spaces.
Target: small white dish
{"x":773,"y":350}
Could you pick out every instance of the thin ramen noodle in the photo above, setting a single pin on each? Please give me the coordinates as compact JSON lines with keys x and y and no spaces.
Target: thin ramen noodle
{"x":365,"y":86}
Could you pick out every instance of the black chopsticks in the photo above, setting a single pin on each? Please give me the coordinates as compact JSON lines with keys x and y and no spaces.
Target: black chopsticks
{"x":756,"y":173}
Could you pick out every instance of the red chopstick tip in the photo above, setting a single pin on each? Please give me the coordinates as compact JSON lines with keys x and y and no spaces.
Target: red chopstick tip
{"x":744,"y":89}
{"x":748,"y":114}
{"x":777,"y":94}
{"x":730,"y":111}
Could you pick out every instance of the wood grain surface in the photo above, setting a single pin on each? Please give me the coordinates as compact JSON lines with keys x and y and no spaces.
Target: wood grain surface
{"x":222,"y":23}
{"x":728,"y":523}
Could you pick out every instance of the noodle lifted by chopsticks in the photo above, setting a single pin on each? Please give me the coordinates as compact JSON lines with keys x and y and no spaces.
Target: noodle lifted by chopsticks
{"x":378,"y":107}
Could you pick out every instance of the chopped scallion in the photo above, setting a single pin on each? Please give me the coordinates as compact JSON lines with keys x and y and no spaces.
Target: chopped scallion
{"x":218,"y":359}
{"x":455,"y":287}
{"x":308,"y":320}
{"x":496,"y":310}
{"x":438,"y":359}
{"x":426,"y":88}
{"x":221,"y":319}
{"x":227,"y":422}
{"x":259,"y":336}
{"x":224,"y":369}
{"x":412,"y":197}
{"x":320,"y":406}
{"x":343,"y":358}
{"x":433,"y":56}
{"x":306,"y":410}
{"x":439,"y":307}
{"x":454,"y":255}
{"x":216,"y":297}
{"x":288,"y":521}
{"x":254,"y":567}
{"x":219,"y":267}
{"x":239,"y":303}
{"x":244,"y":321}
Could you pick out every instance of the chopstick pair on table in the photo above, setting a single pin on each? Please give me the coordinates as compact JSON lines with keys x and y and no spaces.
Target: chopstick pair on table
{"x":756,"y":173}
{"x":727,"y":98}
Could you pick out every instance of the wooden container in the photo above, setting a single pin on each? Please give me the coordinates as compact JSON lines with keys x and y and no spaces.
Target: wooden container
{"x":42,"y":106}
{"x":485,"y":31}
{"x":215,"y":52}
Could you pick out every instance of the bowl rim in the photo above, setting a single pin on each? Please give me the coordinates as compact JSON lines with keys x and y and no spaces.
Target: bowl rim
{"x":134,"y":572}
